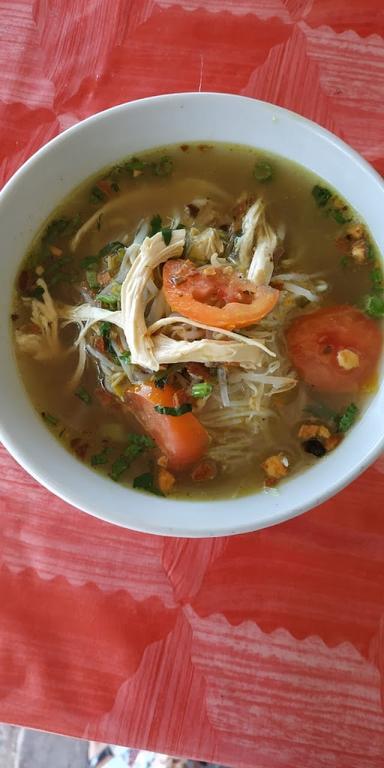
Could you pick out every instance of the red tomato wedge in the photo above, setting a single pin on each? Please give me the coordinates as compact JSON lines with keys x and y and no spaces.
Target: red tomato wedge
{"x":181,"y":438}
{"x":215,"y":296}
{"x":314,"y":341}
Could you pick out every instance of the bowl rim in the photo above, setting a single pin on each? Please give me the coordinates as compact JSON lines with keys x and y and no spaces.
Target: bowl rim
{"x":22,"y":454}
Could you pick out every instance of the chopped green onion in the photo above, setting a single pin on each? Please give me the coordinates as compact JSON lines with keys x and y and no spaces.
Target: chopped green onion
{"x":263,"y":171}
{"x":105,"y":328}
{"x":160,"y":379}
{"x":348,"y":418}
{"x":109,"y":300}
{"x":100,"y":458}
{"x":111,"y":247}
{"x":83,"y":395}
{"x":137,"y":444}
{"x":340,"y":217}
{"x":202,"y":389}
{"x":59,"y":227}
{"x":345,"y":261}
{"x":373,"y":306}
{"x":163,"y":167}
{"x":167,"y":235}
{"x":155,"y":225}
{"x":119,"y":466}
{"x":322,"y":195}
{"x":144,"y":441}
{"x":52,"y":420}
{"x":91,"y":277}
{"x":97,"y":195}
{"x":134,"y":164}
{"x":125,"y":356}
{"x":170,"y":411}
{"x":105,"y":331}
{"x":88,"y":261}
{"x":145,"y":482}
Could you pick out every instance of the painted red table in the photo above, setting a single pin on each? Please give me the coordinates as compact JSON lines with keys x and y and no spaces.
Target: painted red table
{"x":264,"y":650}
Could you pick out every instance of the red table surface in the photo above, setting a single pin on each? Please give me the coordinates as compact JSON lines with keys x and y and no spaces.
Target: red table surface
{"x":262,"y":650}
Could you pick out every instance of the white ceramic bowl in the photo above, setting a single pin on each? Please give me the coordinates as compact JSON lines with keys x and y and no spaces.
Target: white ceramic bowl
{"x":103,"y":139}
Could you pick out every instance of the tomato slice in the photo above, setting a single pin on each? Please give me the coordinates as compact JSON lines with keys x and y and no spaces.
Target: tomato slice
{"x":314,"y":341}
{"x":181,"y":438}
{"x":215,"y":296}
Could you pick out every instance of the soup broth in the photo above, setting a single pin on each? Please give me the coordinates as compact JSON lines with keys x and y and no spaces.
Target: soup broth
{"x":201,"y":321}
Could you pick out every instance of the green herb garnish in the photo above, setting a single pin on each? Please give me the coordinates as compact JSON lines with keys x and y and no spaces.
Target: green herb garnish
{"x":100,"y":458}
{"x":160,"y":379}
{"x":347,"y":419}
{"x":105,"y":328}
{"x":373,"y":306}
{"x":97,"y":195}
{"x":109,"y":300}
{"x":88,"y":261}
{"x":143,"y":440}
{"x":345,"y":261}
{"x":105,"y":331}
{"x":155,"y":225}
{"x":167,"y":235}
{"x":111,"y":247}
{"x":52,"y":420}
{"x":91,"y":277}
{"x":84,"y":395}
{"x":162,"y":167}
{"x":170,"y":411}
{"x":59,"y":227}
{"x":146,"y":482}
{"x":134,"y":164}
{"x":263,"y":171}
{"x":137,"y":444}
{"x":201,"y":390}
{"x":322,"y":195}
{"x":339,"y":216}
{"x":120,"y":465}
{"x":125,"y":356}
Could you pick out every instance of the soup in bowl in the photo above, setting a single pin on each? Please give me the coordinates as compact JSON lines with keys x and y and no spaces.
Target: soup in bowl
{"x":197,"y":316}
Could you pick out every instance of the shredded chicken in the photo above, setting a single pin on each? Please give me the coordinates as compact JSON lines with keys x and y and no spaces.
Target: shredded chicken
{"x":247,"y":238}
{"x":167,"y":350}
{"x":204,"y":245}
{"x":44,"y":344}
{"x":140,"y":198}
{"x":240,"y":338}
{"x":153,"y":252}
{"x":256,"y":245}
